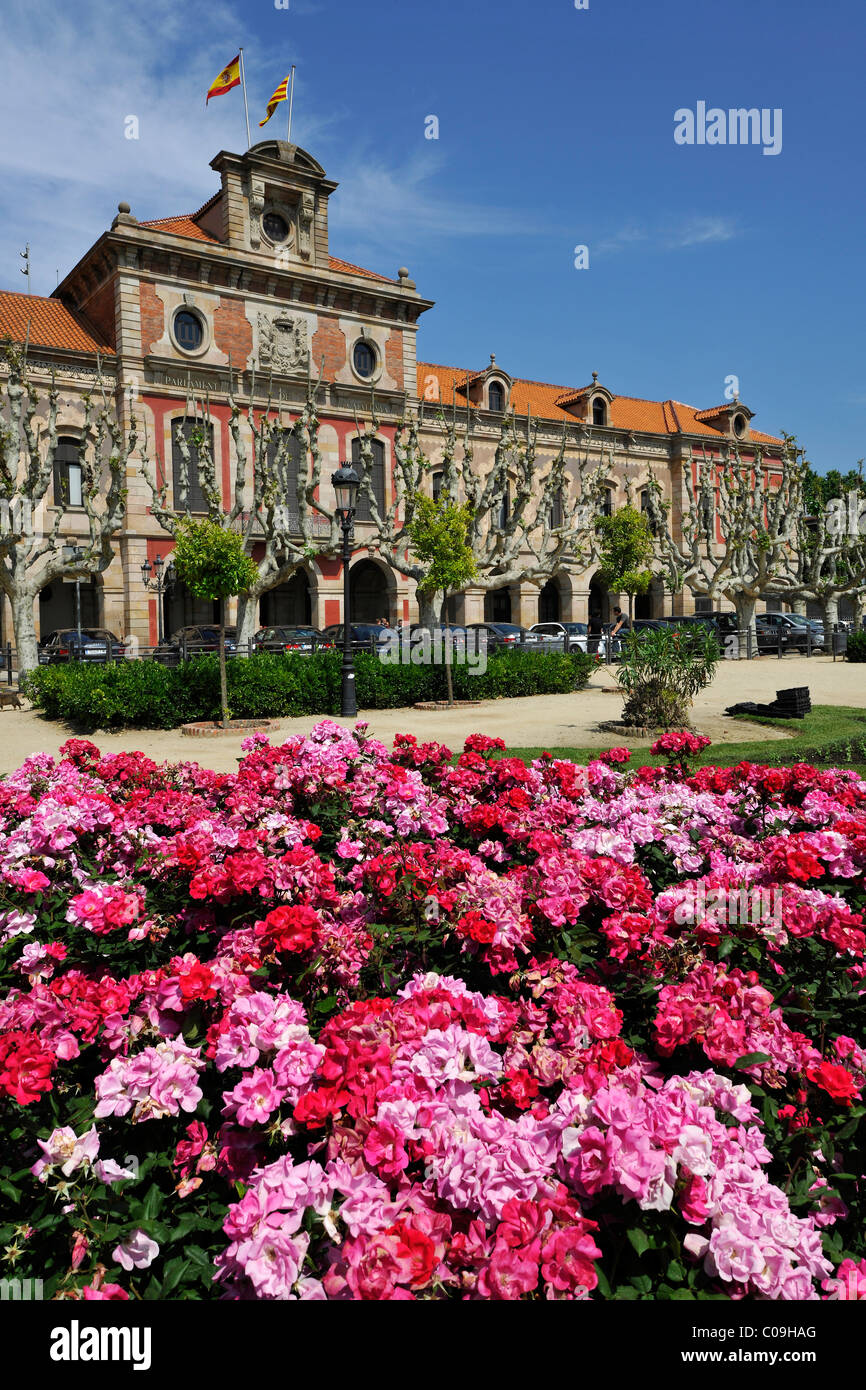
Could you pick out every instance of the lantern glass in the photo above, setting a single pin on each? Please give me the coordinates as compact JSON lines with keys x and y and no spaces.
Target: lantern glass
{"x":346,"y":483}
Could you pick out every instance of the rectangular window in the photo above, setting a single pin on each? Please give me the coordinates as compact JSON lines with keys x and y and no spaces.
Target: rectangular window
{"x":189,"y":498}
{"x":67,"y":475}
{"x":377,"y":479}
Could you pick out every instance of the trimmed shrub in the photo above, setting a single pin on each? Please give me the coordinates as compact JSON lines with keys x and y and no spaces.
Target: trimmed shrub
{"x":146,"y":694}
{"x":856,"y":646}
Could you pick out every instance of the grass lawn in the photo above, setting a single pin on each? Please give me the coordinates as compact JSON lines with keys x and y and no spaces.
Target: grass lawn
{"x":831,"y":735}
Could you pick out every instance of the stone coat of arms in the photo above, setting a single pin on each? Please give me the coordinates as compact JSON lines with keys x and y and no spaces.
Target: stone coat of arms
{"x":283,"y":345}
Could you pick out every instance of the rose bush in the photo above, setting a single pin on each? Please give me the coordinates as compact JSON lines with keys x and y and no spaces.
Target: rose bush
{"x":352,"y":1024}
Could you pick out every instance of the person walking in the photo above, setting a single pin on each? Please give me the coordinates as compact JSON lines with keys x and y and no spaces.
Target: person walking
{"x":619,"y":625}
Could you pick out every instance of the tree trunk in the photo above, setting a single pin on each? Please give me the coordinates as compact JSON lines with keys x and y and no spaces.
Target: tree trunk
{"x":24,"y":626}
{"x":748,"y":637}
{"x":446,"y":642}
{"x":426,"y":609}
{"x":829,"y":616}
{"x":799,"y":607}
{"x":630,"y":609}
{"x":248,"y":623}
{"x":224,"y":698}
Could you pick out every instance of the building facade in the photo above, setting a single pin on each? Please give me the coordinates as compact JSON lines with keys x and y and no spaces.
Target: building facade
{"x":246,"y":290}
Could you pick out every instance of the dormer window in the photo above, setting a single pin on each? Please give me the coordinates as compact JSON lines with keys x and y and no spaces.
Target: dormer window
{"x":496,"y":397}
{"x":599,"y":411}
{"x":739,"y":425}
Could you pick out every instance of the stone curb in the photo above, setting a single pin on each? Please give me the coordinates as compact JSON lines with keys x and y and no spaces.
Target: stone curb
{"x":206,"y":728}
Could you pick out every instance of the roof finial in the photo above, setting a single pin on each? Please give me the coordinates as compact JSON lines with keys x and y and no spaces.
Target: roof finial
{"x":595,"y":376}
{"x":493,"y":359}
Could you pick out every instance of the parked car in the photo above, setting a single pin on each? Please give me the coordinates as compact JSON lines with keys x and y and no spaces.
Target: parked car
{"x":437,"y":627}
{"x":722,"y":623}
{"x":772,"y":634}
{"x":195,"y":640}
{"x":553,"y":635}
{"x":800,"y":627}
{"x":291,"y":639}
{"x":94,"y":644}
{"x":363,"y":634}
{"x":505,"y":634}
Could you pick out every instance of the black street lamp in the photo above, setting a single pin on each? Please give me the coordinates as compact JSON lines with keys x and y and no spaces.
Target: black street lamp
{"x":73,"y":555}
{"x":346,"y":483}
{"x":162,"y":581}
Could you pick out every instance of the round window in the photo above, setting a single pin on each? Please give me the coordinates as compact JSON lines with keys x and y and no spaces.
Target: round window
{"x":188,"y":330}
{"x":739,"y":424}
{"x":276,"y":228}
{"x":364,"y":359}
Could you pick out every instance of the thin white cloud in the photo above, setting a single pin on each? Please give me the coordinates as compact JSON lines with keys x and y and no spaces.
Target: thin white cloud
{"x":700,"y":231}
{"x":72,"y":76}
{"x":696,"y":231}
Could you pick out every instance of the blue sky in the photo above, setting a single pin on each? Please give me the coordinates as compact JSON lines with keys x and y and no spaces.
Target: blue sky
{"x":555,"y":129}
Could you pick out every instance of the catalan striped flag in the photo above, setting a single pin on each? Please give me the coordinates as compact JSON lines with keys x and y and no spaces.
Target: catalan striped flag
{"x":281,"y":94}
{"x":228,"y":78}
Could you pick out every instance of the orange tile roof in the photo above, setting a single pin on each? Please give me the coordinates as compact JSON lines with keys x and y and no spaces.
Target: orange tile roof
{"x":185,"y":224}
{"x":182,"y":225}
{"x":349,"y":269}
{"x":51,"y":324}
{"x":544,"y":399}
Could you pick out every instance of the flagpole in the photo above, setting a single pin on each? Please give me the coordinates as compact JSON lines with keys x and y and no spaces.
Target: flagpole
{"x":291,"y":98}
{"x":246,"y":108}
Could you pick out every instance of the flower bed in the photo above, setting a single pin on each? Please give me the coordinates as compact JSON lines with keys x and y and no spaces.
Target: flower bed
{"x":348,"y":1024}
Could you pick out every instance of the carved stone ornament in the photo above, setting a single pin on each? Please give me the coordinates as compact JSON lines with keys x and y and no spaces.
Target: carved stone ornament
{"x":257,"y":203}
{"x":283,"y":344}
{"x":306,"y":210}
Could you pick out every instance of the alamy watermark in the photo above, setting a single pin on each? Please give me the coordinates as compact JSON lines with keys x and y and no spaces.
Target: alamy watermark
{"x":846,"y":516}
{"x":732,"y":907}
{"x":737,"y":126}
{"x":437,"y":648}
{"x":21,"y":1290}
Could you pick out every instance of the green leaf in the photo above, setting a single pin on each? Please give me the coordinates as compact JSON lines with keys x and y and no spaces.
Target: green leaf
{"x":752,"y":1059}
{"x":638,"y":1239}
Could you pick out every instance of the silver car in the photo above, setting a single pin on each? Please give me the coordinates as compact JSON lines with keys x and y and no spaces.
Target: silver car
{"x":553,"y":635}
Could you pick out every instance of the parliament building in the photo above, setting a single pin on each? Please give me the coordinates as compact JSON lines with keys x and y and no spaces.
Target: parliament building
{"x":248,"y":284}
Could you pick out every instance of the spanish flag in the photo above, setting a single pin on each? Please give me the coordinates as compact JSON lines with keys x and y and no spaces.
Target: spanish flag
{"x":281,"y":94}
{"x":228,"y":78}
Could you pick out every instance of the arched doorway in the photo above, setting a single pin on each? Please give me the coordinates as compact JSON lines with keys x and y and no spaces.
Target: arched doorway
{"x":368,"y":592}
{"x":599,"y":600}
{"x":288,"y":605}
{"x":181,"y":609}
{"x":497,"y":606}
{"x":57,"y":605}
{"x":549,"y":606}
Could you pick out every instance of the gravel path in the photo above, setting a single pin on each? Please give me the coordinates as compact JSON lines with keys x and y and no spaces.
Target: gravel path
{"x":551,"y":721}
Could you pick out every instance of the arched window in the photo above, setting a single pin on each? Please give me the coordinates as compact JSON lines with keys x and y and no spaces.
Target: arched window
{"x":557,"y":510}
{"x":496,"y":396}
{"x":377,"y":479}
{"x":438,"y":481}
{"x":67,"y":474}
{"x":599,"y":411}
{"x":504,"y":507}
{"x":284,"y":455}
{"x":189,"y":498}
{"x":644,"y":500}
{"x":607,"y":502}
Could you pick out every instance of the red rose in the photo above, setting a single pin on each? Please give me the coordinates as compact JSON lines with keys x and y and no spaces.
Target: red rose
{"x":836,"y":1081}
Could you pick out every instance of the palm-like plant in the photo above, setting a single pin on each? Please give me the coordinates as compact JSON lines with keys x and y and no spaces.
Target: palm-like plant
{"x":662,"y":671}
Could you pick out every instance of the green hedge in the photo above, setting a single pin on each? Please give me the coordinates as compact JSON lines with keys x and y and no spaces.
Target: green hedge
{"x":146,"y":694}
{"x":856,"y":648}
